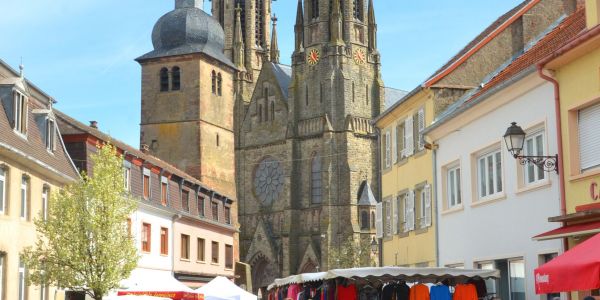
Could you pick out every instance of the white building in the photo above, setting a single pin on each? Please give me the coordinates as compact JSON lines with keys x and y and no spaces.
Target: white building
{"x":490,"y":206}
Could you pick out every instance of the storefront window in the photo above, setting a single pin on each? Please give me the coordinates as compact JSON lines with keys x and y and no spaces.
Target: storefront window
{"x":517,"y":279}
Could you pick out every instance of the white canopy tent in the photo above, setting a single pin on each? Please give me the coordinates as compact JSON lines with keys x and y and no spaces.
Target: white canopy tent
{"x":222,"y":288}
{"x":153,"y":281}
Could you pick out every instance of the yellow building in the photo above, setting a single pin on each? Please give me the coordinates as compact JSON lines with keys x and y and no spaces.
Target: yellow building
{"x":574,"y":71}
{"x":33,"y":165}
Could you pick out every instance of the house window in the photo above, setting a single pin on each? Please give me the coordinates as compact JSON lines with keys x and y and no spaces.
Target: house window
{"x":219,"y":84}
{"x":185,"y":246}
{"x":50,"y":135}
{"x":176,"y":79}
{"x":489,"y":170}
{"x":25,"y":198}
{"x":164,"y":193}
{"x":316,"y":180}
{"x":409,"y":211}
{"x":20,"y":116}
{"x":146,"y":236}
{"x":201,"y":250}
{"x":127,"y":178}
{"x":534,"y":146}
{"x":22,"y":279}
{"x":213,"y":77}
{"x":164,"y":241}
{"x":164,"y":79}
{"x":201,"y":206}
{"x":215,"y":252}
{"x":512,"y":284}
{"x":45,"y":193}
{"x":358,"y":10}
{"x":228,"y":257}
{"x":215,"y":211}
{"x":364,"y":220}
{"x":227,"y":214}
{"x":453,"y":187}
{"x":185,"y":200}
{"x":146,"y":184}
{"x":3,"y":197}
{"x":589,"y":147}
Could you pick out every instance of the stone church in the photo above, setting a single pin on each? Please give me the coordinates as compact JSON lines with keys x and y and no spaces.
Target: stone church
{"x":294,"y":143}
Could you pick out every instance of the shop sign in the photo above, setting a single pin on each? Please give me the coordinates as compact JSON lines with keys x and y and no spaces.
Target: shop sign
{"x":594,"y":192}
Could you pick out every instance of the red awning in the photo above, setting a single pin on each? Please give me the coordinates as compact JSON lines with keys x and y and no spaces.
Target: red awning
{"x":570,"y":230}
{"x":171,"y":295}
{"x":575,"y":270}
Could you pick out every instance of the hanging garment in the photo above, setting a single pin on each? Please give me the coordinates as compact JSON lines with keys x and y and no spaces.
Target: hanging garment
{"x":368,"y":293}
{"x":465,"y":292}
{"x":440,"y":292}
{"x":402,"y":291}
{"x":419,"y":292}
{"x":389,"y":292}
{"x":346,"y":292}
{"x":479,"y":286}
{"x":293,"y":291}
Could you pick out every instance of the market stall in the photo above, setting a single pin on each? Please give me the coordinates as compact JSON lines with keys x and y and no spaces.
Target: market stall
{"x":158,"y":284}
{"x":222,"y":288}
{"x":132,"y":297}
{"x":382,"y":283}
{"x":575,"y":270}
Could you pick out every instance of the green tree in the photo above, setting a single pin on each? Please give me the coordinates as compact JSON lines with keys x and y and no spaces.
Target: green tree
{"x":84,"y":245}
{"x":352,"y":253}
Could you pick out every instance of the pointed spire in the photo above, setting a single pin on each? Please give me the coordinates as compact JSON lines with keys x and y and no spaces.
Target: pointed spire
{"x":238,"y":41}
{"x":335,"y":25}
{"x":274,"y":44}
{"x":299,"y":27}
{"x":372,"y":27}
{"x":21,"y":72}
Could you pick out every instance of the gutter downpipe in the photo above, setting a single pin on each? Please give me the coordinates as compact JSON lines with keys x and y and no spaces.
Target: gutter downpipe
{"x":435,"y":201}
{"x":561,"y":173}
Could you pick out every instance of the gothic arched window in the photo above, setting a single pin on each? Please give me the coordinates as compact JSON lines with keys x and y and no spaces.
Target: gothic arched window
{"x":315,"y":8}
{"x":259,"y":23}
{"x":260,"y":113}
{"x":164,"y":79}
{"x":272,"y":111}
{"x":175,"y":79}
{"x":358,"y":10}
{"x":219,"y":84}
{"x":214,"y":82}
{"x":316,"y":180}
{"x":266,"y":94}
{"x":242,"y":5}
{"x":364,"y":220}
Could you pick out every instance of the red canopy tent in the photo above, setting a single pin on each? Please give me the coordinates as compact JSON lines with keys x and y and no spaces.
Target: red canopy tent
{"x":576,"y":270}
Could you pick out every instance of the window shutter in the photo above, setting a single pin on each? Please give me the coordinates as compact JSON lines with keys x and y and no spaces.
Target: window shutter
{"x":394,"y":146}
{"x":400,"y":141}
{"x":387,"y":149}
{"x":379,"y":220}
{"x":26,"y":115}
{"x":428,"y":205}
{"x":388,"y":218}
{"x":395,"y":216}
{"x":408,"y":136}
{"x":410,"y":208}
{"x":589,"y":139}
{"x":421,"y":127}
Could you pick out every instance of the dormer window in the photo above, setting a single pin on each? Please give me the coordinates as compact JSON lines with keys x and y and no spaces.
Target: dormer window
{"x":20,"y":113}
{"x":164,"y":80}
{"x":176,"y":79}
{"x":50,"y":135}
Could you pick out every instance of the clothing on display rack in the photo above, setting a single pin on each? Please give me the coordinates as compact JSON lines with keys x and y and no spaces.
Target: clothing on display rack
{"x":465,"y":292}
{"x":293,"y":291}
{"x":419,"y":292}
{"x":346,"y":292}
{"x":479,"y":286}
{"x":368,"y":292}
{"x":440,"y":292}
{"x":395,"y":291}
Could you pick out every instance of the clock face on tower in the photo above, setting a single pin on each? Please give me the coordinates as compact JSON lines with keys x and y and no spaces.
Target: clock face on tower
{"x":313,"y":57}
{"x":268,"y":180}
{"x":359,"y":56}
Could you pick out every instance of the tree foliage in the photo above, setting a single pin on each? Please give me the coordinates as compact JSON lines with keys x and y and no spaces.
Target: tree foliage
{"x":352,"y":253}
{"x":84,"y":245}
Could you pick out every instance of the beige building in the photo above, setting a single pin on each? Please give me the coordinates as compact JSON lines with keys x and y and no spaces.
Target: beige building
{"x":33,"y":165}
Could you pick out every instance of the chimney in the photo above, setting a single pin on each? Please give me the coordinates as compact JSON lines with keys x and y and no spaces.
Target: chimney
{"x":144,"y":148}
{"x":94,"y":124}
{"x":592,"y":13}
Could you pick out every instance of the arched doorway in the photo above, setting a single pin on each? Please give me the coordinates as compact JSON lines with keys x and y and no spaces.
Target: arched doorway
{"x":263,"y":272}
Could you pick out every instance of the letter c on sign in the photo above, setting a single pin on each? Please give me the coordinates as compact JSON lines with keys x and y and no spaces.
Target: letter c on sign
{"x":593,"y":191}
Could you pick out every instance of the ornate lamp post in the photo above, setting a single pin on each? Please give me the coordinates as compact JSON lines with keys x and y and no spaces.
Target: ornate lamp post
{"x":515,"y":138}
{"x":374,"y":246}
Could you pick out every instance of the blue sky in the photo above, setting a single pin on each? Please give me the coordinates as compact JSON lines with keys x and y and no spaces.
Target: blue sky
{"x":82,"y":52}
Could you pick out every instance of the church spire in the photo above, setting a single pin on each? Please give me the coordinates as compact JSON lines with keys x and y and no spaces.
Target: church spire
{"x":372,"y":27}
{"x":274,"y":45}
{"x":299,"y":27}
{"x":238,"y":43}
{"x":335,"y":25}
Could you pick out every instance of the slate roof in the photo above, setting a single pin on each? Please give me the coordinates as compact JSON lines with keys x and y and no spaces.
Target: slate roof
{"x":392,"y":96}
{"x":367,"y":197}
{"x":283,"y":74}
{"x":70,"y":126}
{"x":33,"y":148}
{"x":187,"y":30}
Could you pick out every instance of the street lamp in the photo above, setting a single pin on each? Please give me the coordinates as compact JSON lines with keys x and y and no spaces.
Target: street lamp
{"x":374,"y":246}
{"x":515,"y":139}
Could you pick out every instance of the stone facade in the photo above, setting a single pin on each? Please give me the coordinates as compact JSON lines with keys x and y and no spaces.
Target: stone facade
{"x":305,"y":146}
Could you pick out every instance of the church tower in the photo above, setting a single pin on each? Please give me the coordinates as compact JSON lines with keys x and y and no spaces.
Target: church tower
{"x":188,"y":98}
